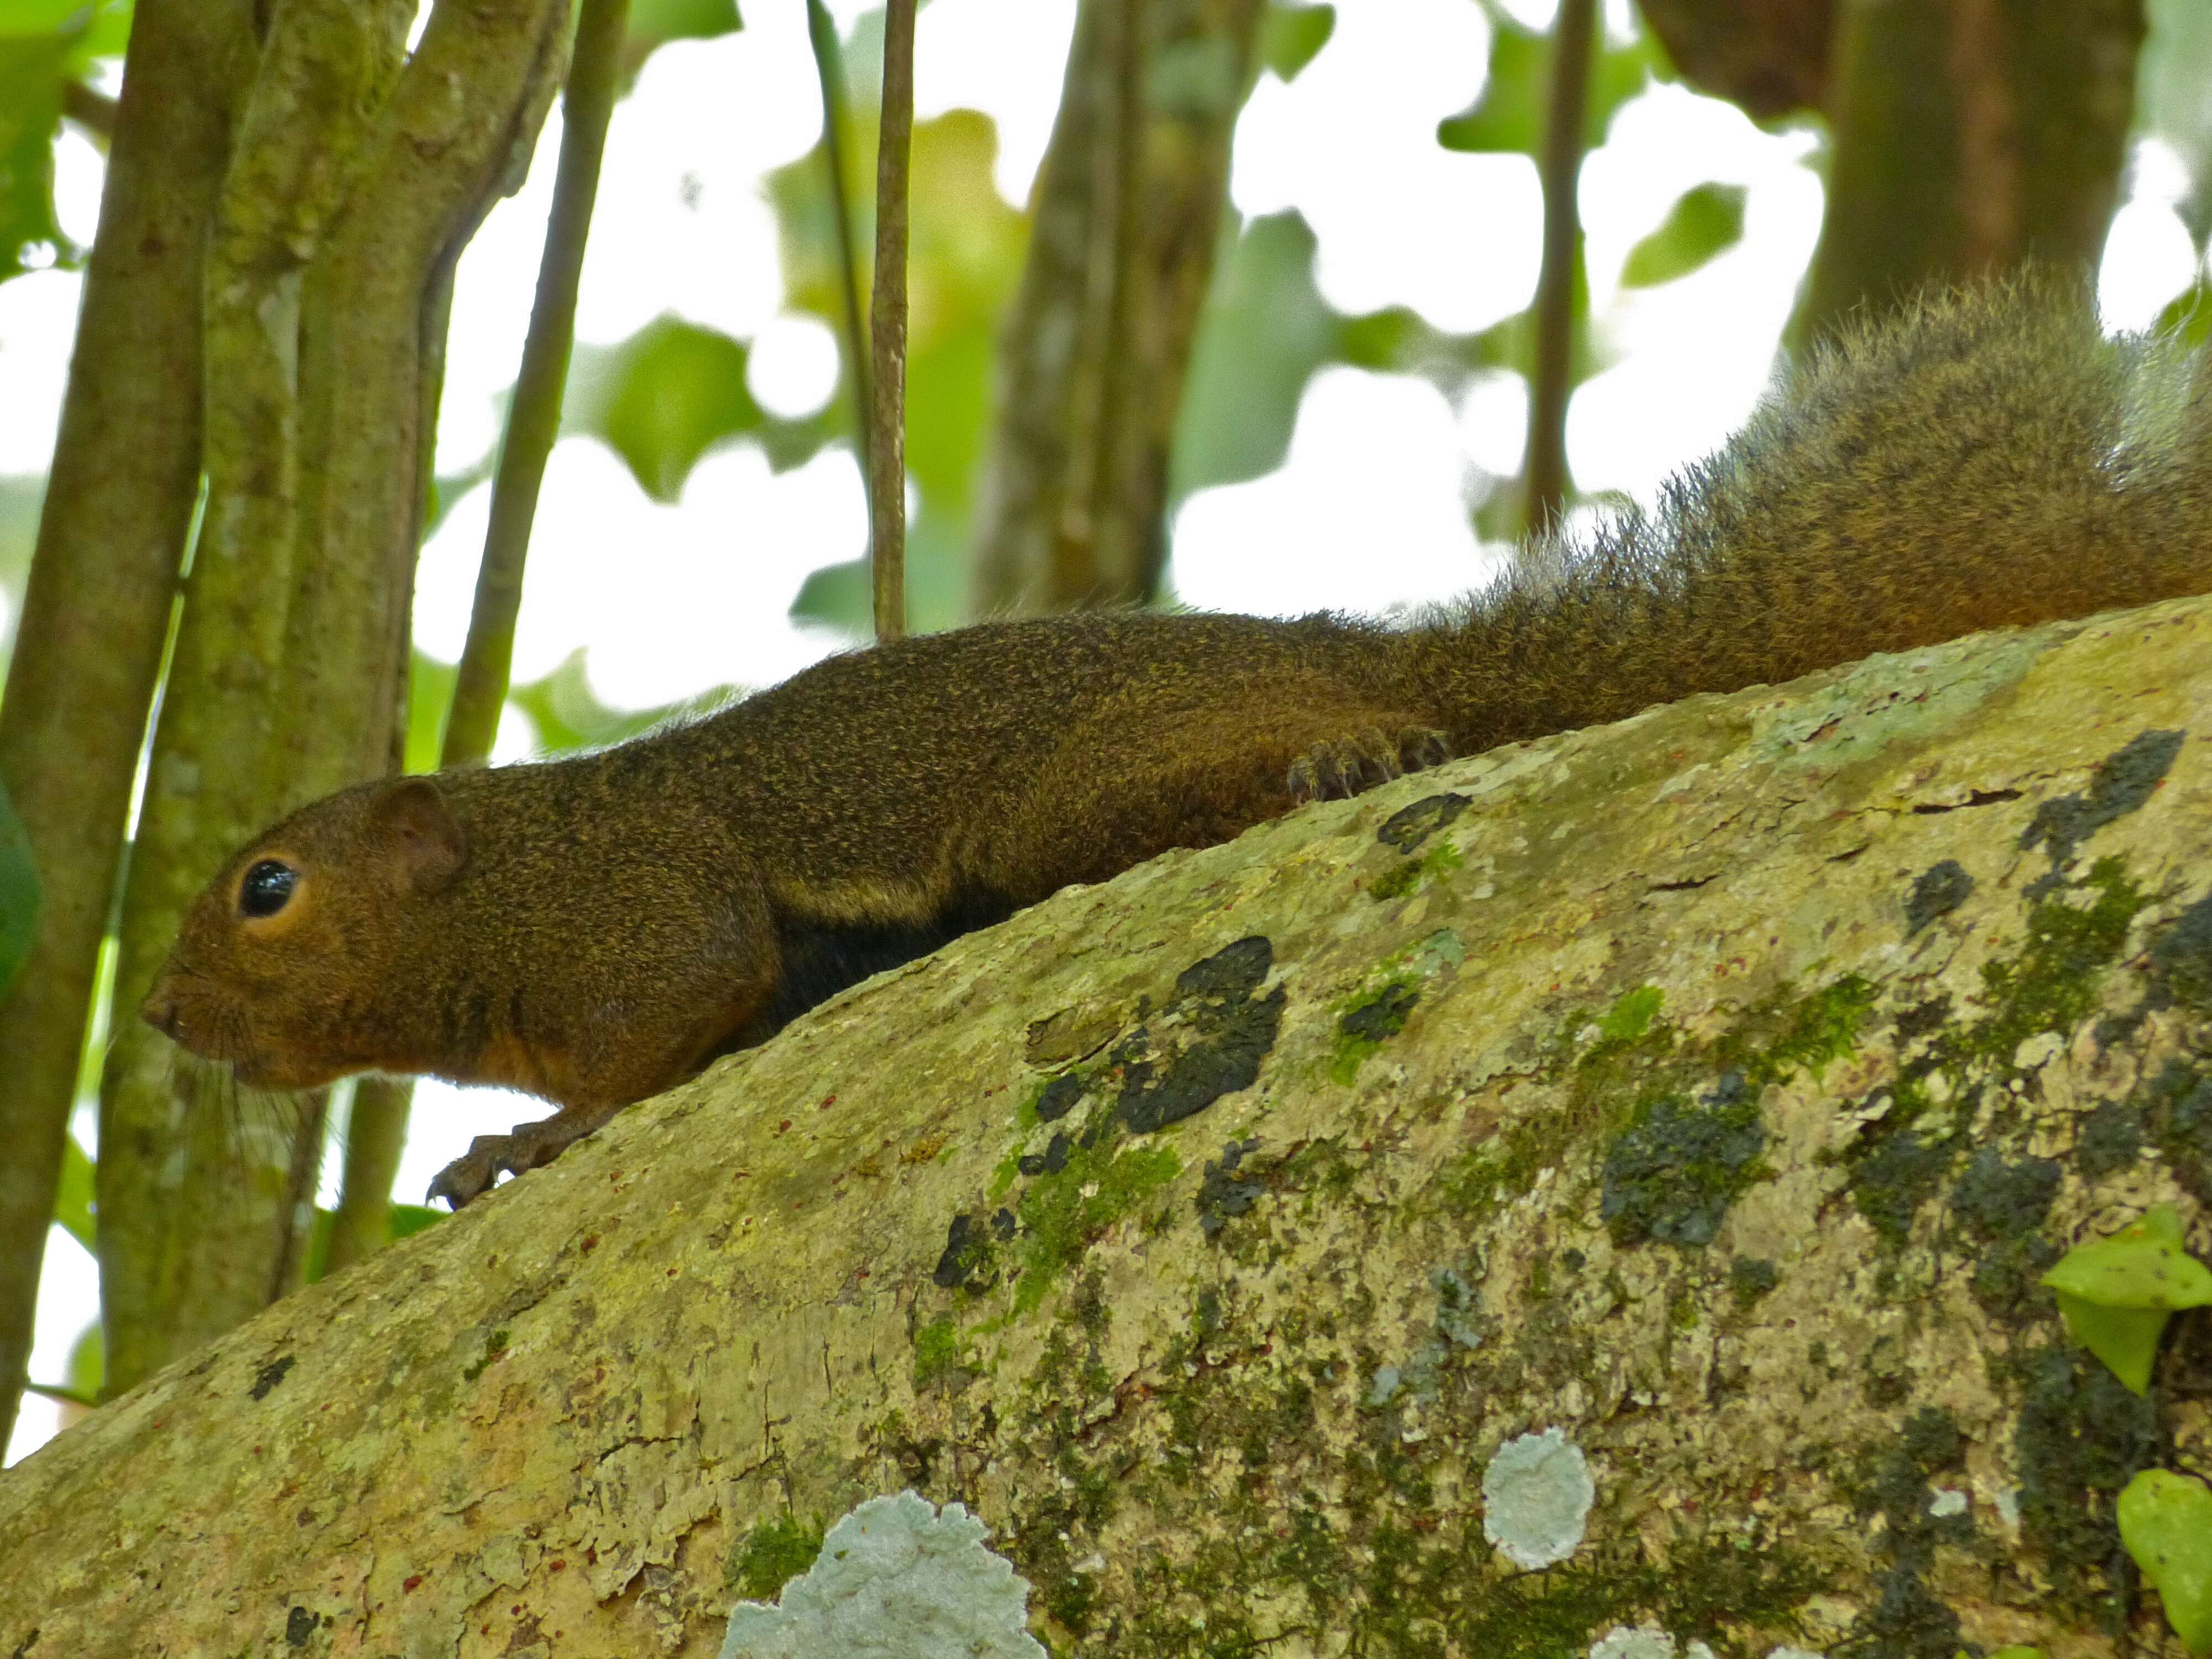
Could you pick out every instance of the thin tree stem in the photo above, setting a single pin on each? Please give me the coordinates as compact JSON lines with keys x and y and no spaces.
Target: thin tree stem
{"x":533,"y":420}
{"x":887,"y":436}
{"x":830,"y":69}
{"x":1545,"y":475}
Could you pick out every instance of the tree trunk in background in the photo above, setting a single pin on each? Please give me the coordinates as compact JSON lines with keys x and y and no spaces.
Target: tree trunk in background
{"x":1770,"y":56}
{"x":117,"y":507}
{"x":1969,"y":136}
{"x":1128,"y":214}
{"x":352,"y":184}
{"x":1219,"y":1226}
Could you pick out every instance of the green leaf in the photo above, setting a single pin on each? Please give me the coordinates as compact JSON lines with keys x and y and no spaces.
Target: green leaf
{"x":26,"y":17}
{"x":2141,"y":1266}
{"x":1293,"y":35}
{"x":1705,"y":221}
{"x":31,"y":69}
{"x":1509,"y":114}
{"x":73,"y":1199}
{"x":19,"y":893}
{"x":409,"y":1219}
{"x":2165,"y":1522}
{"x":683,"y":20}
{"x":2125,"y":1338}
{"x":673,"y":389}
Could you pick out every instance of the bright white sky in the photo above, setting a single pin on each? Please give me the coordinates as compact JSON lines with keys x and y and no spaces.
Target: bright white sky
{"x":668,"y":601}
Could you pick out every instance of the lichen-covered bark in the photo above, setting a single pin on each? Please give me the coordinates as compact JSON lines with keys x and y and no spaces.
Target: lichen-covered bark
{"x":1711,"y":1088}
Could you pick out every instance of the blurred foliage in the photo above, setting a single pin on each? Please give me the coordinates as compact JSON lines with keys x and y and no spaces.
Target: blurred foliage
{"x":2173,"y":100}
{"x":663,"y":21}
{"x":1292,"y":36}
{"x":1508,"y":115}
{"x":43,"y":45}
{"x":73,"y":1198}
{"x":1705,"y":221}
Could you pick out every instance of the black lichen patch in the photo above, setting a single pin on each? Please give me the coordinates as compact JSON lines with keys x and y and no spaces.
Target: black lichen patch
{"x":1750,"y":1278}
{"x":1060,"y":1096}
{"x":1409,"y":826}
{"x":1941,"y":889}
{"x":1909,"y":1621}
{"x":1222,"y":1193}
{"x":2081,"y":1437}
{"x":299,"y":1626}
{"x":2122,"y":781}
{"x":2176,"y":1108}
{"x":2181,"y":960}
{"x":2003,"y":1204}
{"x":2112,"y":1139}
{"x":1893,"y":1174}
{"x":1207,"y":1042}
{"x":1051,"y":1161}
{"x":967,"y":1249}
{"x":1672,"y":1174}
{"x":266,"y":1379}
{"x":1381,"y":1016}
{"x":1915,"y":1125}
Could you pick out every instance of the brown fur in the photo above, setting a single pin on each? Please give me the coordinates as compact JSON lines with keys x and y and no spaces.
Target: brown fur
{"x":594,"y":929}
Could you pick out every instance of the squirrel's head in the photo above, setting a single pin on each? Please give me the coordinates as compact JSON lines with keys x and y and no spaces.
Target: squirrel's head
{"x":286,"y":965}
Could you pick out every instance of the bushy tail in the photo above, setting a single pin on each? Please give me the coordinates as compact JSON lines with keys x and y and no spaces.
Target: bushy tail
{"x":1985,"y":460}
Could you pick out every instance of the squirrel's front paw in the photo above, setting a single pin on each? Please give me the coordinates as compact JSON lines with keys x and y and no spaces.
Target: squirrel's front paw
{"x":473,"y":1172}
{"x":1342,"y":770}
{"x":530,"y":1147}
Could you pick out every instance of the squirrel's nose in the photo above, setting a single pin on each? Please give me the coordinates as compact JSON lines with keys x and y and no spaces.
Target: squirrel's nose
{"x":160,"y":1010}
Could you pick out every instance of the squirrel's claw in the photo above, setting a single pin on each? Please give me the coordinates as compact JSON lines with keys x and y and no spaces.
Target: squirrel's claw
{"x":1342,"y":770}
{"x":529,"y":1146}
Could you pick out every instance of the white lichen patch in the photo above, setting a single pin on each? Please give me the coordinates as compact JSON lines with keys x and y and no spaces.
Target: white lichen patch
{"x":895,"y":1578}
{"x":1644,"y":1642}
{"x":1536,"y":1497}
{"x":1948,"y":1500}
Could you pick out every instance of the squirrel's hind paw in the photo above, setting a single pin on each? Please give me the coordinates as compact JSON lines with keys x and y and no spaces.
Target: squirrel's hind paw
{"x":1340,"y":770}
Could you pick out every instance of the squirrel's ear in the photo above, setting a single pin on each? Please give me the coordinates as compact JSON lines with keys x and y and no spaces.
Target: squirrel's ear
{"x":426,"y":842}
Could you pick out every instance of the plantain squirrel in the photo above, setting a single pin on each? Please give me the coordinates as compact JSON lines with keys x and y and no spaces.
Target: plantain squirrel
{"x":594,"y":929}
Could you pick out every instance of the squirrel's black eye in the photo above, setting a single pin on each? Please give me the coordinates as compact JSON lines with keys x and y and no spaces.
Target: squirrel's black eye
{"x":267,"y":887}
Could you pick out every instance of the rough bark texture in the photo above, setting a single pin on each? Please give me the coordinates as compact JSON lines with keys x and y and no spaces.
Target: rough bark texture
{"x":1711,"y":1088}
{"x":1970,"y":135}
{"x":1128,"y":215}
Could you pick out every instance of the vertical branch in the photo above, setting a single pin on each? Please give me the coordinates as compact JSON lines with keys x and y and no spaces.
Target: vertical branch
{"x":125,"y":475}
{"x":829,"y":69}
{"x":533,"y":419}
{"x":377,"y":1130}
{"x":887,"y":420}
{"x":1545,"y":474}
{"x":1128,"y":207}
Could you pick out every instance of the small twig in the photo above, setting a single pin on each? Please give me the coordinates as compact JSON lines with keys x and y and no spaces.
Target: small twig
{"x":829,"y":69}
{"x":1544,"y":473}
{"x":533,"y":418}
{"x":89,"y":107}
{"x":887,"y":420}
